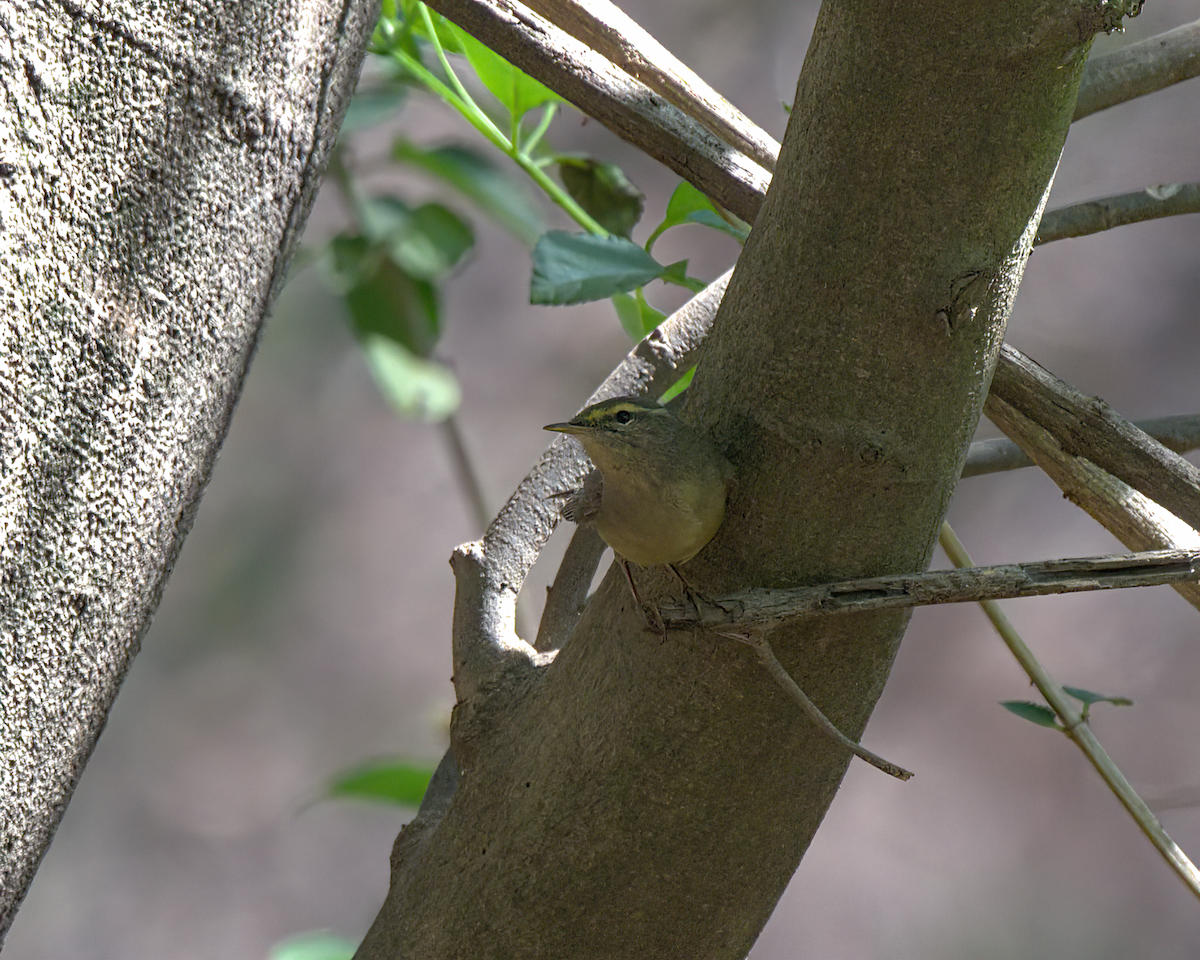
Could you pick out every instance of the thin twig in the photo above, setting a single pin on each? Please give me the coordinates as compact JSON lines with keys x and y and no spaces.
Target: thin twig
{"x":1105,"y":213}
{"x":1077,"y":729}
{"x":464,"y":469}
{"x":1087,"y":427}
{"x":763,"y":609}
{"x":824,"y":724}
{"x":1139,"y":69}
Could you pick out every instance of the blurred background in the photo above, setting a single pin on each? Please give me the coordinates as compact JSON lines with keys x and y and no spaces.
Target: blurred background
{"x":306,"y":627}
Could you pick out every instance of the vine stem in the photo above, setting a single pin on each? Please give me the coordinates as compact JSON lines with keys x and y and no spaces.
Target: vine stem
{"x":1076,"y":727}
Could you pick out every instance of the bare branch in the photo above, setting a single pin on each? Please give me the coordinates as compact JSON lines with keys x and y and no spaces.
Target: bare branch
{"x":611,"y":32}
{"x":1134,"y":519}
{"x":1180,"y":434}
{"x":1139,"y":69}
{"x":1093,"y":216}
{"x":626,"y":106}
{"x":766,"y":609}
{"x":1086,"y":427}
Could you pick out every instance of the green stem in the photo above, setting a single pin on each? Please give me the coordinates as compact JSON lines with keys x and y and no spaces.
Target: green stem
{"x":1075,"y":726}
{"x":539,"y":131}
{"x":456,"y":96}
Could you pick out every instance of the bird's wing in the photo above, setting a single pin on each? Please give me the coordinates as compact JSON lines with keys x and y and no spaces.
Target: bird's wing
{"x":583,"y":505}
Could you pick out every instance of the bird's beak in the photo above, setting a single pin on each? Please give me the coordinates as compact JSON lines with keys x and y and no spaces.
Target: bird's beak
{"x":572,"y":428}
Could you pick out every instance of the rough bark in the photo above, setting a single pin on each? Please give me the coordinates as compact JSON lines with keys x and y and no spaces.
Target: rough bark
{"x":652,"y":797}
{"x":156,"y":168}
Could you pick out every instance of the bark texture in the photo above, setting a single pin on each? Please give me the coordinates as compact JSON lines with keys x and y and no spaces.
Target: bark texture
{"x":652,"y":797}
{"x":156,"y":168}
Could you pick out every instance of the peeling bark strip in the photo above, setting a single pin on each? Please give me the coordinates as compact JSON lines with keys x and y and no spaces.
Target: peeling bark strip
{"x":153,"y":186}
{"x":763,"y":609}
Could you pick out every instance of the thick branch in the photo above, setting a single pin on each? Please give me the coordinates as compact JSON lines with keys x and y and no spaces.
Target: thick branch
{"x":612,"y":33}
{"x":1086,"y":427}
{"x":623,"y":104}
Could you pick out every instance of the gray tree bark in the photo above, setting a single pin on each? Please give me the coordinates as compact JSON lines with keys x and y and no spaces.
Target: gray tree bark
{"x":156,"y":169}
{"x":652,"y":798}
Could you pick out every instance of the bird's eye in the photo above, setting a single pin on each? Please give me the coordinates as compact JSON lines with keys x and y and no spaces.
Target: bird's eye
{"x":623,"y":416}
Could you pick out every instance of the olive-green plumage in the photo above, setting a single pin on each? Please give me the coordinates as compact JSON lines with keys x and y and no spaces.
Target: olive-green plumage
{"x":657,"y":495}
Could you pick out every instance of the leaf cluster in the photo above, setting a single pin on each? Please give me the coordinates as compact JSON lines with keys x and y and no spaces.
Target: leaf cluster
{"x":391,"y":263}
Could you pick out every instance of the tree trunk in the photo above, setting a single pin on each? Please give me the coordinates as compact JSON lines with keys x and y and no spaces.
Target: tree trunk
{"x":652,"y":798}
{"x":156,"y":170}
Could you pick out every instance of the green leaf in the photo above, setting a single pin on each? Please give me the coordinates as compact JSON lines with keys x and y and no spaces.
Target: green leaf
{"x":382,"y":217}
{"x":394,"y":35}
{"x":437,"y":240}
{"x":479,"y":180}
{"x":415,"y":386}
{"x":350,"y":258}
{"x":637,"y":317}
{"x":603,"y":190}
{"x":316,"y":945}
{"x":1037,"y":713}
{"x":427,"y":243}
{"x":388,"y":302}
{"x":515,"y":89}
{"x":677,"y":273}
{"x":709,"y":218}
{"x":678,"y":386}
{"x":689,"y":205}
{"x":684,"y":201}
{"x":371,"y":107}
{"x":1089,"y":697}
{"x":399,"y":33}
{"x":388,"y":780}
{"x":577,"y":268}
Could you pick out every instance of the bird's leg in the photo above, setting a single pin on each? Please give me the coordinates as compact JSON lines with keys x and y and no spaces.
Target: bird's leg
{"x":650,"y":614}
{"x":694,"y":597}
{"x":629,"y":580}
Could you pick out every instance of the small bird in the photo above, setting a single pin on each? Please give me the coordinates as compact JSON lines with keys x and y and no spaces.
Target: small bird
{"x":658,"y":493}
